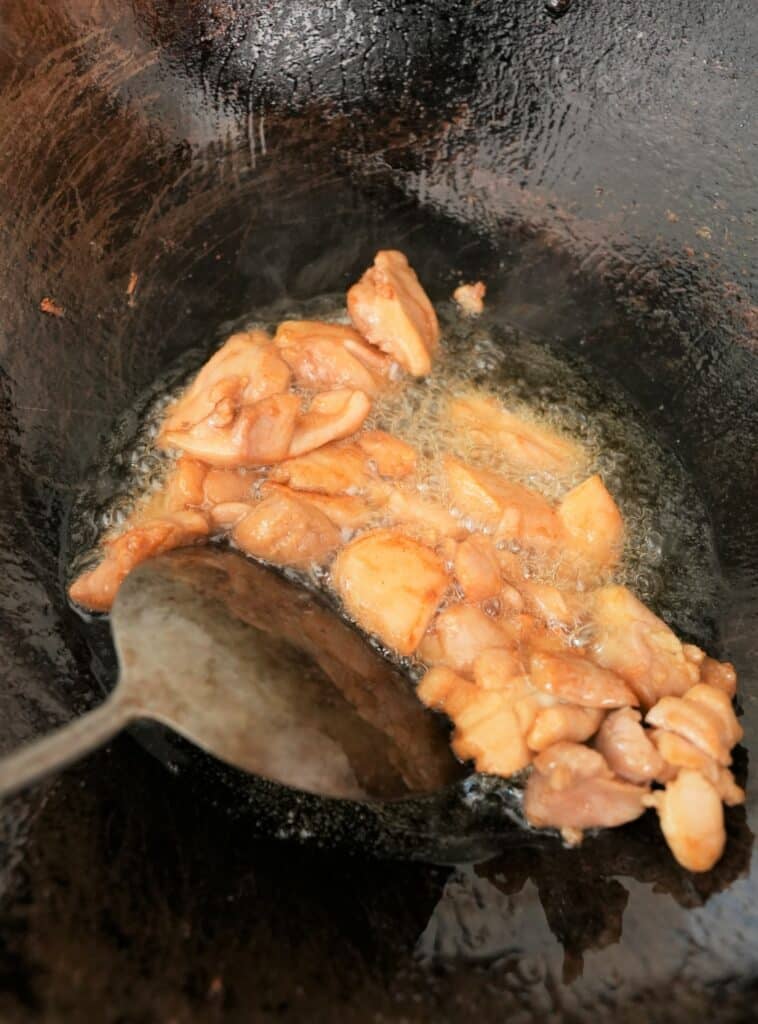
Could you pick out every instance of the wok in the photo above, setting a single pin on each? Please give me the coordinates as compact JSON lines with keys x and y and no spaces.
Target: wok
{"x":167,"y":168}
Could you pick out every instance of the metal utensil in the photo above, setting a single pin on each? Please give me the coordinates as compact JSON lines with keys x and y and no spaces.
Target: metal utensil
{"x":261,"y":673}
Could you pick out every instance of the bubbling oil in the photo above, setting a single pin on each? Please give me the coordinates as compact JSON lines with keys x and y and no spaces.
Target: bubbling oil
{"x":669,"y":560}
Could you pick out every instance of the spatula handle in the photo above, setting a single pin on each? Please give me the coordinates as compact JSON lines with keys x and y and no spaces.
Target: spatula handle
{"x":60,"y":748}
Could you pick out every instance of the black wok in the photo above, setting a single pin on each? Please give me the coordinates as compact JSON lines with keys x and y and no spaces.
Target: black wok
{"x":597,"y":171}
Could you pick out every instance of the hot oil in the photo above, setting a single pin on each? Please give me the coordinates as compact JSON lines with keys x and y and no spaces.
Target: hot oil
{"x":669,"y":559}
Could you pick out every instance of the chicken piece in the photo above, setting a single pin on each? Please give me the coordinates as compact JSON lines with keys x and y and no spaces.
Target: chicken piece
{"x":392,"y":457}
{"x":333,"y":469}
{"x":318,"y":356}
{"x":436,"y":685}
{"x":332,"y":416}
{"x":429,"y":519}
{"x":227,"y":514}
{"x":182,"y":489}
{"x":459,"y":634}
{"x":392,"y":310}
{"x":477,"y":568}
{"x":286,"y":531}
{"x":527,"y":445}
{"x":249,"y":358}
{"x":391,"y":585}
{"x":692,"y":820}
{"x":512,"y":511}
{"x":556,"y":607}
{"x":240,"y":436}
{"x":695,"y":722}
{"x":720,"y":674}
{"x":627,"y":747}
{"x":592,"y":524}
{"x":638,"y":646}
{"x":720,"y":704}
{"x":345,"y":510}
{"x":563,"y":722}
{"x":595,"y":802}
{"x":677,"y":752}
{"x":564,"y":764}
{"x":495,"y":667}
{"x":223,"y":485}
{"x":575,"y":680}
{"x":470,"y":297}
{"x":97,"y":588}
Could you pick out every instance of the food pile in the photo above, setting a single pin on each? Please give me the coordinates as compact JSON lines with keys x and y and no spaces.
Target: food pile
{"x":507,"y":598}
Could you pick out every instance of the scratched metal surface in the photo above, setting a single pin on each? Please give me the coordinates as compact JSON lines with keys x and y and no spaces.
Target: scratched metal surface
{"x":599,"y":172}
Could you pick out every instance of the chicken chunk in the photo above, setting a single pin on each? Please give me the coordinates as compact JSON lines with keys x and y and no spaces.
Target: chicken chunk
{"x":222,"y":485}
{"x":392,"y":310}
{"x":678,"y":753}
{"x":594,"y":802}
{"x":317,"y":353}
{"x":638,"y":646}
{"x":692,"y":820}
{"x":234,"y":435}
{"x":575,"y":680}
{"x":496,"y":667}
{"x":391,"y":585}
{"x":345,"y":510}
{"x":429,"y":520}
{"x":392,"y":457}
{"x":527,"y":445}
{"x":627,"y":747}
{"x":97,"y":588}
{"x":710,"y":725}
{"x":563,"y":722}
{"x":333,"y":469}
{"x":286,"y":531}
{"x":512,"y":511}
{"x":332,"y":416}
{"x":477,"y":568}
{"x":564,"y":764}
{"x":720,"y":674}
{"x":470,"y":297}
{"x":182,"y":489}
{"x":248,"y":358}
{"x":592,"y":525}
{"x":459,"y":634}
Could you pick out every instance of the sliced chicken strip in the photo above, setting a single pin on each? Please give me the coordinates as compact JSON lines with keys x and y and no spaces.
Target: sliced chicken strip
{"x":97,"y":588}
{"x":592,"y":524}
{"x":392,"y":310}
{"x":287,"y":531}
{"x":477,"y":568}
{"x":392,"y":457}
{"x":638,"y":646}
{"x":391,"y":585}
{"x":526,"y":445}
{"x":575,"y":680}
{"x":628,"y":748}
{"x":317,"y":354}
{"x":332,"y":416}
{"x":692,"y":820}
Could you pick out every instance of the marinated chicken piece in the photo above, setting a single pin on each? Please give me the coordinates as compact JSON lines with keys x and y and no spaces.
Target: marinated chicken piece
{"x":564,"y":764}
{"x":628,"y":748}
{"x":333,"y":469}
{"x":692,"y":820}
{"x":392,"y":457}
{"x":286,"y":531}
{"x":477,"y":568}
{"x":227,"y":514}
{"x":638,"y":646}
{"x":556,"y":607}
{"x":678,"y":753}
{"x":234,"y":435}
{"x":470,"y":297}
{"x":592,"y":524}
{"x":430,"y":520}
{"x":182,"y":489}
{"x":458,"y":635}
{"x":512,"y":511}
{"x":97,"y":588}
{"x":318,"y":356}
{"x":392,"y":310}
{"x":526,"y":445}
{"x":222,"y":485}
{"x":332,"y":416}
{"x":563,"y":722}
{"x":496,"y":667}
{"x":720,"y":704}
{"x":248,"y":358}
{"x":720,"y":674}
{"x":391,"y":585}
{"x":345,"y":510}
{"x":575,"y":680}
{"x":590,"y":802}
{"x":711,"y":729}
